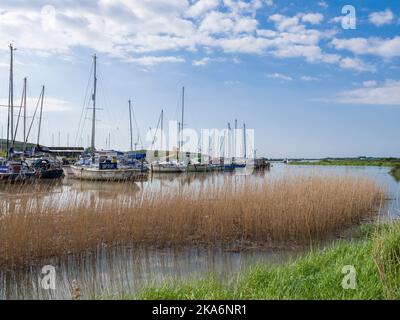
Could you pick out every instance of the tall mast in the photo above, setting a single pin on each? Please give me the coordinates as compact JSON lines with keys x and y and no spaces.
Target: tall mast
{"x":94,"y":105}
{"x":25,"y":89}
{"x":229,"y":149}
{"x":162,"y":128}
{"x":235,"y":140}
{"x":11,"y":94}
{"x":40,"y":115}
{"x":183,"y":115}
{"x":245,"y":141}
{"x":130,"y":124}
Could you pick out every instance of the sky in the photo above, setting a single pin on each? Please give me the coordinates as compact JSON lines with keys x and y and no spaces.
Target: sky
{"x":310,"y":79}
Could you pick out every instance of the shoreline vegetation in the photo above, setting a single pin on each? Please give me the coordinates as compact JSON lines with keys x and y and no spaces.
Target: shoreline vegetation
{"x":393,"y":163}
{"x":376,"y":162}
{"x":375,"y":256}
{"x":289,"y":211}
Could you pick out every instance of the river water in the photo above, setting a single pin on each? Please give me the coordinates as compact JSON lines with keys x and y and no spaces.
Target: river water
{"x":110,"y":272}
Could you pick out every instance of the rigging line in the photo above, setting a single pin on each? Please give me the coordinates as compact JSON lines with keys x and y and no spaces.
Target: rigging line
{"x":33,"y":118}
{"x":155,"y":134}
{"x":19,"y":113}
{"x":104,"y":97}
{"x":137,"y":127}
{"x":84,"y":105}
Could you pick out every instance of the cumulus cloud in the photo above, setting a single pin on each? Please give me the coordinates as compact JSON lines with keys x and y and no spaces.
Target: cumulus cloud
{"x":50,"y":104}
{"x":387,"y":93}
{"x":160,"y":31}
{"x":313,"y":18}
{"x":356,"y":64}
{"x":386,"y":48}
{"x":381,"y":18}
{"x":150,"y":61}
{"x":202,"y":62}
{"x":323,"y":4}
{"x":279,"y":76}
{"x":309,"y":78}
{"x":202,"y":6}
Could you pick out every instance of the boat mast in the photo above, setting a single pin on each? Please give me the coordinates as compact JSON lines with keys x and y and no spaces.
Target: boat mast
{"x":162,"y":128}
{"x":25,"y":89}
{"x":40,"y":116}
{"x":130,"y":123}
{"x":229,"y":150}
{"x":10,"y":122}
{"x":183,"y":116}
{"x":94,"y":105}
{"x":235,"y":141}
{"x":244,"y":141}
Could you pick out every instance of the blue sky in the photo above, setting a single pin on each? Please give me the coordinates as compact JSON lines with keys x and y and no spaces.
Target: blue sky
{"x":308,"y":87}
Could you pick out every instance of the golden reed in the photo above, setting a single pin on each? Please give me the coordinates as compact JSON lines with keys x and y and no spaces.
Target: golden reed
{"x":289,"y":210}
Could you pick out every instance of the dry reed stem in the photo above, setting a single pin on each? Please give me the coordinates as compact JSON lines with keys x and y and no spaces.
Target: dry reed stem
{"x":284,"y":211}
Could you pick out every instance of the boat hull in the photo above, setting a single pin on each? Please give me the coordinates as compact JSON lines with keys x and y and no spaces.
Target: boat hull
{"x":156,"y":168}
{"x":94,"y":174}
{"x":51,"y":174}
{"x":198,"y":168}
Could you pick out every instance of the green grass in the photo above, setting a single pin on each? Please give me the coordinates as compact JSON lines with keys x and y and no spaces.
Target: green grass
{"x":395,"y":172}
{"x":385,"y":162}
{"x":376,"y":258}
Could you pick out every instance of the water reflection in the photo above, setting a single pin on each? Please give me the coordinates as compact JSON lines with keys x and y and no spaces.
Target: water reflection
{"x":110,"y":272}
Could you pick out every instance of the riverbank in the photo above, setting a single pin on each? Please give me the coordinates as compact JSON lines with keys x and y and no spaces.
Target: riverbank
{"x":384,"y":162}
{"x":395,"y":172}
{"x":375,"y":256}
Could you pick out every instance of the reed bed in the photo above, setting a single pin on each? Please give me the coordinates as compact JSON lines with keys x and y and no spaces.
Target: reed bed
{"x":286,"y":211}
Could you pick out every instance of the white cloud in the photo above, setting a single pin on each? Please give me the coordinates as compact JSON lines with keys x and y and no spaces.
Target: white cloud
{"x":313,"y":18}
{"x":381,"y":18}
{"x":279,"y":76}
{"x":231,"y":83}
{"x":386,"y":48}
{"x":356,"y":64}
{"x":202,"y":6}
{"x":152,"y":32}
{"x":50,"y":104}
{"x":323,"y":4}
{"x":150,"y":61}
{"x":309,"y":78}
{"x":202,"y":62}
{"x":370,"y":83}
{"x":387,"y":93}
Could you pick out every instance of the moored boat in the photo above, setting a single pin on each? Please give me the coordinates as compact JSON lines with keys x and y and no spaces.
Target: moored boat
{"x":168,"y":167}
{"x":15,"y":171}
{"x":48,"y":168}
{"x":106,"y":167}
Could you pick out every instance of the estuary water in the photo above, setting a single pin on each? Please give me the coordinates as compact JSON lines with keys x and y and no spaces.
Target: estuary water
{"x":108,"y":273}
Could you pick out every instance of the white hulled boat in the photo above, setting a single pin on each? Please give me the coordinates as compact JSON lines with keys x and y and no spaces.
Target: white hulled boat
{"x":168,"y":167}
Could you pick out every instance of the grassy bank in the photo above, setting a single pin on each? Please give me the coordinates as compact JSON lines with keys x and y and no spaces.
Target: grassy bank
{"x":386,"y":162}
{"x":287,"y":211}
{"x":376,"y":259}
{"x":395,"y":172}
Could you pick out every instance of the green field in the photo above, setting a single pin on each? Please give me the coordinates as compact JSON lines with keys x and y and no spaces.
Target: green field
{"x":384,"y":162}
{"x":375,"y":256}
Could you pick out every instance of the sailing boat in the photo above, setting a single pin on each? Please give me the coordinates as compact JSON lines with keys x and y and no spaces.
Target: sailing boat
{"x":13,"y":168}
{"x":102,"y":166}
{"x":171,"y":166}
{"x":46,"y":166}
